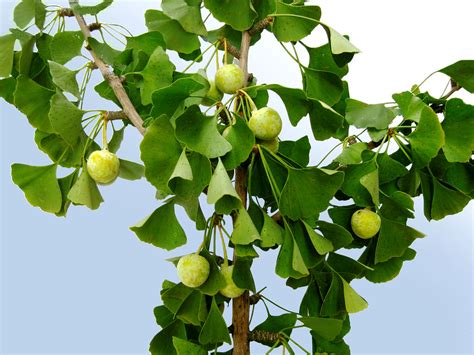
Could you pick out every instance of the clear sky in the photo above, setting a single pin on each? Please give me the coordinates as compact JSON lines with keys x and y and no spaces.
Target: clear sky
{"x":86,"y":284}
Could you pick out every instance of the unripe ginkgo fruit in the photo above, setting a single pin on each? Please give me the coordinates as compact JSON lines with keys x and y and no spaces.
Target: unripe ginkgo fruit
{"x":193,"y":270}
{"x":365,"y":223}
{"x":265,"y":123}
{"x":271,"y":145}
{"x":230,"y":78}
{"x":230,"y":290}
{"x":213,"y":95}
{"x":103,"y":166}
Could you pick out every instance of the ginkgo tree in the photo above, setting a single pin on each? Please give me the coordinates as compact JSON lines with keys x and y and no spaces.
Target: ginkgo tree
{"x":210,"y":137}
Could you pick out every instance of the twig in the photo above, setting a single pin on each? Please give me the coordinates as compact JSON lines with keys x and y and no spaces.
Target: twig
{"x":260,"y":26}
{"x":116,"y":115}
{"x":113,"y":80}
{"x":454,"y":87}
{"x":230,"y":48}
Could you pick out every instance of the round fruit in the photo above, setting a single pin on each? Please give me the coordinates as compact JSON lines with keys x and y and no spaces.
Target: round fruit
{"x":230,"y":290}
{"x":265,"y":123}
{"x":230,"y":78}
{"x":103,"y":166}
{"x":365,"y":223}
{"x":213,"y":95}
{"x":193,"y":270}
{"x":272,"y":145}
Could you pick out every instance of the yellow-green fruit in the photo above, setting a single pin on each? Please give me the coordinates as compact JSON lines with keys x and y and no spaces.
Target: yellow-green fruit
{"x":272,"y":145}
{"x":265,"y":123}
{"x":230,"y":290}
{"x":365,"y":223}
{"x":230,"y":78}
{"x":193,"y":270}
{"x":213,"y":95}
{"x":103,"y":166}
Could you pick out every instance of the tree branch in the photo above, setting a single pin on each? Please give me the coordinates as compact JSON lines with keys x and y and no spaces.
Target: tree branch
{"x":113,"y":80}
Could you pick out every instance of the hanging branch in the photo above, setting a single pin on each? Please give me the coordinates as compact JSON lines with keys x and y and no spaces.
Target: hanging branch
{"x":114,"y":81}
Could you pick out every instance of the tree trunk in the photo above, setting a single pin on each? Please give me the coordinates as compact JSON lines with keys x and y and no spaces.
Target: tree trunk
{"x":241,"y":305}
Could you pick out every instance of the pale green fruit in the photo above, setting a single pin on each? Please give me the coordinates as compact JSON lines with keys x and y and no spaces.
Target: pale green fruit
{"x":365,"y":223}
{"x":193,"y":270}
{"x":230,"y":78}
{"x":230,"y":290}
{"x":265,"y":123}
{"x":272,"y":145}
{"x":213,"y":95}
{"x":103,"y":166}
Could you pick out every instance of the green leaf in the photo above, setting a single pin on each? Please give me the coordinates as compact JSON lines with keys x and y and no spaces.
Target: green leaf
{"x":192,"y":182}
{"x":182,"y":169}
{"x":328,"y":328}
{"x":103,"y":51}
{"x":65,"y":118}
{"x":325,"y":121}
{"x":244,"y":231}
{"x":290,"y":262}
{"x":32,"y":100}
{"x":321,"y":244}
{"x":304,"y":246}
{"x":389,"y":168}
{"x":193,"y":310}
{"x":363,"y":115}
{"x":347,"y":267}
{"x":187,"y":13}
{"x":354,"y":176}
{"x":294,"y":27}
{"x":172,"y":98}
{"x":276,"y":324}
{"x":91,"y":9}
{"x":221,"y":192}
{"x":7,"y":44}
{"x":184,"y":347}
{"x":24,"y":12}
{"x":242,"y":274}
{"x":161,"y":228}
{"x":389,"y":269}
{"x":39,"y":185}
{"x":295,"y":101}
{"x":26,"y":55}
{"x":163,"y":316}
{"x":339,"y":43}
{"x":394,"y":239}
{"x":458,"y":126}
{"x":146,"y":42}
{"x":323,"y":86}
{"x":40,"y":14}
{"x":158,"y":73}
{"x":334,"y":302}
{"x":461,"y":72}
{"x":410,"y":105}
{"x":130,"y":170}
{"x":352,"y":154}
{"x":371,"y":183}
{"x":226,"y":10}
{"x":446,"y":201}
{"x":175,"y":36}
{"x":321,"y":58}
{"x":271,"y":233}
{"x":160,"y":152}
{"x":297,"y":151}
{"x":85,"y":192}
{"x":214,"y":330}
{"x":65,"y":184}
{"x":304,"y":183}
{"x":162,"y":343}
{"x":353,"y":301}
{"x":66,"y":45}
{"x":242,"y":139}
{"x":7,"y":89}
{"x":64,"y":78}
{"x":338,"y":235}
{"x":427,"y":139}
{"x":175,"y":296}
{"x":196,"y":131}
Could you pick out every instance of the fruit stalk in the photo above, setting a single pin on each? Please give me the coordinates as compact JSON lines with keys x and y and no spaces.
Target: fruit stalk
{"x":241,"y":305}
